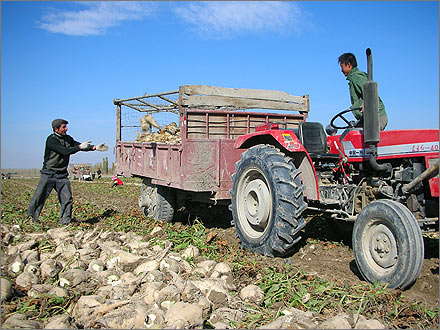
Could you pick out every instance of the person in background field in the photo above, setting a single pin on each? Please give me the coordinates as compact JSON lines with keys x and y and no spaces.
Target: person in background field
{"x":356,"y":79}
{"x":99,"y":173}
{"x":116,"y":182}
{"x":59,"y":147}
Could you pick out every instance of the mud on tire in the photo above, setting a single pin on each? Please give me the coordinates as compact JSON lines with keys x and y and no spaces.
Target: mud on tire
{"x":156,"y":201}
{"x":267,"y":201}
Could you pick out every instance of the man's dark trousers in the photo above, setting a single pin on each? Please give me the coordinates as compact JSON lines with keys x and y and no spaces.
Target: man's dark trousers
{"x":48,"y":181}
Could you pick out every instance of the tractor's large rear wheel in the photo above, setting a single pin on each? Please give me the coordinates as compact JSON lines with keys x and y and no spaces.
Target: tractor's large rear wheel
{"x":267,"y":201}
{"x":156,"y":201}
{"x":388,"y":244}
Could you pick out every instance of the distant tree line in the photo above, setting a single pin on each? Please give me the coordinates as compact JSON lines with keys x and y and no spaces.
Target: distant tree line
{"x":104,"y":166}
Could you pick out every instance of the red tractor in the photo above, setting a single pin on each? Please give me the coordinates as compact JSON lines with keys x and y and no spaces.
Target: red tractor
{"x":272,"y":169}
{"x":382,"y":185}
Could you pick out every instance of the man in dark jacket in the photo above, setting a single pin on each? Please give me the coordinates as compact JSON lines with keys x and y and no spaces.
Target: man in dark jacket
{"x":356,"y":79}
{"x":59,"y":147}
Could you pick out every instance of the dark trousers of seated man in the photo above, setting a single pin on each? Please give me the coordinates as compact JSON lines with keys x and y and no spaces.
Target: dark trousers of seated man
{"x":51,"y":180}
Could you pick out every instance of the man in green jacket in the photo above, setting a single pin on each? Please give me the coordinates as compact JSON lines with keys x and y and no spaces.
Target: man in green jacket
{"x":356,"y":79}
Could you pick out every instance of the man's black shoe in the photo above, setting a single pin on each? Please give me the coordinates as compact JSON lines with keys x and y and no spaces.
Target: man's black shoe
{"x":67,"y":221}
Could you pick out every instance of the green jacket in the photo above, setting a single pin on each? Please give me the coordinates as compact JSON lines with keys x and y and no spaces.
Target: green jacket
{"x":356,"y":79}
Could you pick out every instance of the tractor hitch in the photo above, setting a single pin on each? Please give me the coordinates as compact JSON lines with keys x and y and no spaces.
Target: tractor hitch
{"x":430,"y":172}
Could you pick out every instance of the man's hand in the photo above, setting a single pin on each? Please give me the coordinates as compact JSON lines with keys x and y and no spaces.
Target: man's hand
{"x":85,"y":145}
{"x":101,"y":147}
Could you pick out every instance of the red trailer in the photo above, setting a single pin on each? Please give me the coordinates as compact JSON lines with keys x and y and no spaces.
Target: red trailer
{"x":199,"y":169}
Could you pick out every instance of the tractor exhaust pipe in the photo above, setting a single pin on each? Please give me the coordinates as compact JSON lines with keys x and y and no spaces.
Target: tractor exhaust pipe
{"x":371,"y":116}
{"x":369,"y":64}
{"x":371,"y":106}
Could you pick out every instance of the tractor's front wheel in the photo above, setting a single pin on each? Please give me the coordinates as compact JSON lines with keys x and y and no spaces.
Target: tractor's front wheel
{"x":267,"y":201}
{"x":388,"y":244}
{"x":156,"y":201}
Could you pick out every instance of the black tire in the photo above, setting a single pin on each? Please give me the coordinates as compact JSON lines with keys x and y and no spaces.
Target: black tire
{"x":388,"y":244}
{"x":267,"y":201}
{"x":157,"y":202}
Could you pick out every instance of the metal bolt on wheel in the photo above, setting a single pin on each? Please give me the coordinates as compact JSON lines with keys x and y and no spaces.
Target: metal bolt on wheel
{"x":383,"y":246}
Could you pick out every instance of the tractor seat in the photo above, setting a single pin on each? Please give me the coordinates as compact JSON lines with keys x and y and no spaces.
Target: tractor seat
{"x":314,"y":139}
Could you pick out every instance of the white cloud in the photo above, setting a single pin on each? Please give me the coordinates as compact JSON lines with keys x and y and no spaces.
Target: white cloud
{"x":95,"y":18}
{"x":223,"y":18}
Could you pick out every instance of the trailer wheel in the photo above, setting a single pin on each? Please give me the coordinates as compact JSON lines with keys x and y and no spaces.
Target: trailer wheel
{"x":267,"y":201}
{"x":388,"y":244}
{"x":157,"y":202}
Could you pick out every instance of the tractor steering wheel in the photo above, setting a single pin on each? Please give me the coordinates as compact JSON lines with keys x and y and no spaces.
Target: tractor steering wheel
{"x":351,"y":123}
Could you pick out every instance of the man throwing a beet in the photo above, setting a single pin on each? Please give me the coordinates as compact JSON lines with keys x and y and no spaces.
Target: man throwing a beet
{"x":59,"y":147}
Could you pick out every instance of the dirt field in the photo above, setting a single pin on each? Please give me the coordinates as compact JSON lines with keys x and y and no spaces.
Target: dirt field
{"x":333,"y":262}
{"x":319,"y":254}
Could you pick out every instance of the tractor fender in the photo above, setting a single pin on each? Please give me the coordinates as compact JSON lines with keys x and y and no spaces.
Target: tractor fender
{"x":288,"y":143}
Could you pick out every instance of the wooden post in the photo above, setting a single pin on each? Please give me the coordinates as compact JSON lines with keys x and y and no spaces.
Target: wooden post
{"x":118,"y":123}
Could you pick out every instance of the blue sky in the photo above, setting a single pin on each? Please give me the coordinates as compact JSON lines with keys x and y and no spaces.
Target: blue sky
{"x":71,"y":59}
